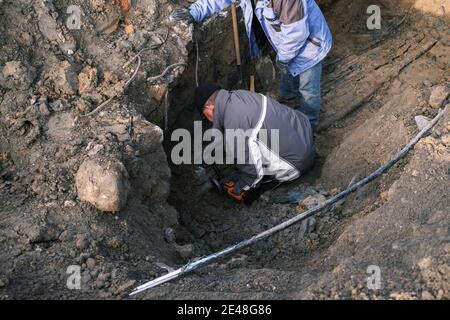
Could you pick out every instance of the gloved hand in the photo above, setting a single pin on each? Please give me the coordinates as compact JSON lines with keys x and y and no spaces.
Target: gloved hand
{"x":229,"y":189}
{"x":246,"y":197}
{"x":182,"y":14}
{"x":282,"y":67}
{"x":236,"y":183}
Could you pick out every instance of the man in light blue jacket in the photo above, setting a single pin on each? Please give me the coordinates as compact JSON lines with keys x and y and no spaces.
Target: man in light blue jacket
{"x":297,"y":31}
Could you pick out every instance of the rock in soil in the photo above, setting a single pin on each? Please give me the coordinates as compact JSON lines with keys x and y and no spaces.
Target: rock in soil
{"x":103,"y":182}
{"x":439,"y":95}
{"x":186,"y":251}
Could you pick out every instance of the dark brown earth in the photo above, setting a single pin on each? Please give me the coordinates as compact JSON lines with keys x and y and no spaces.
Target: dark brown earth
{"x":375,"y":83}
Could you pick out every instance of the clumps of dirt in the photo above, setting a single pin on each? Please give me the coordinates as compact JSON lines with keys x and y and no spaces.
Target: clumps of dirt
{"x":438,"y":95}
{"x":64,"y":167}
{"x":84,"y":114}
{"x":110,"y":180}
{"x":16,"y":75}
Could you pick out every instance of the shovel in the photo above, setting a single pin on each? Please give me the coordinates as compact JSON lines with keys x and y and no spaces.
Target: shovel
{"x":237,"y":46}
{"x":237,"y":49}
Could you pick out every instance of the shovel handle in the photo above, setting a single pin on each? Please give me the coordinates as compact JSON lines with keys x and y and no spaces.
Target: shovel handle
{"x":237,"y":47}
{"x":252,"y":83}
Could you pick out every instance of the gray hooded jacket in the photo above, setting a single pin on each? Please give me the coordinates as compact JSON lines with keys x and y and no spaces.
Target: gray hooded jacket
{"x":265,"y":137}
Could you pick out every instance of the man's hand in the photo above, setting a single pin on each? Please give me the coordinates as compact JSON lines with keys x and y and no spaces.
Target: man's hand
{"x":229,"y":189}
{"x":182,"y":14}
{"x":282,"y":67}
{"x":246,"y":197}
{"x":236,"y":185}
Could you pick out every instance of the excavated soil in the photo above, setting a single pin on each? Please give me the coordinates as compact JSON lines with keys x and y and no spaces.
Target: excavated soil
{"x":375,"y":83}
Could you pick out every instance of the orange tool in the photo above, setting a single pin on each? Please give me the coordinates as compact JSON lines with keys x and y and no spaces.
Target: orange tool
{"x":229,"y":189}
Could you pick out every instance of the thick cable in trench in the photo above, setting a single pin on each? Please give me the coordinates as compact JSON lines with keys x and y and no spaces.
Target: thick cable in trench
{"x":204,"y":261}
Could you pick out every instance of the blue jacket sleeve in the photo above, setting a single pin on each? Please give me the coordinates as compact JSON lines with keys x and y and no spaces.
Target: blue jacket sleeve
{"x":295,"y":34}
{"x":202,"y":9}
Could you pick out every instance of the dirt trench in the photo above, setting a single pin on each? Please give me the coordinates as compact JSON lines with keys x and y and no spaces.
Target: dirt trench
{"x":371,"y":95}
{"x":374,"y":83}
